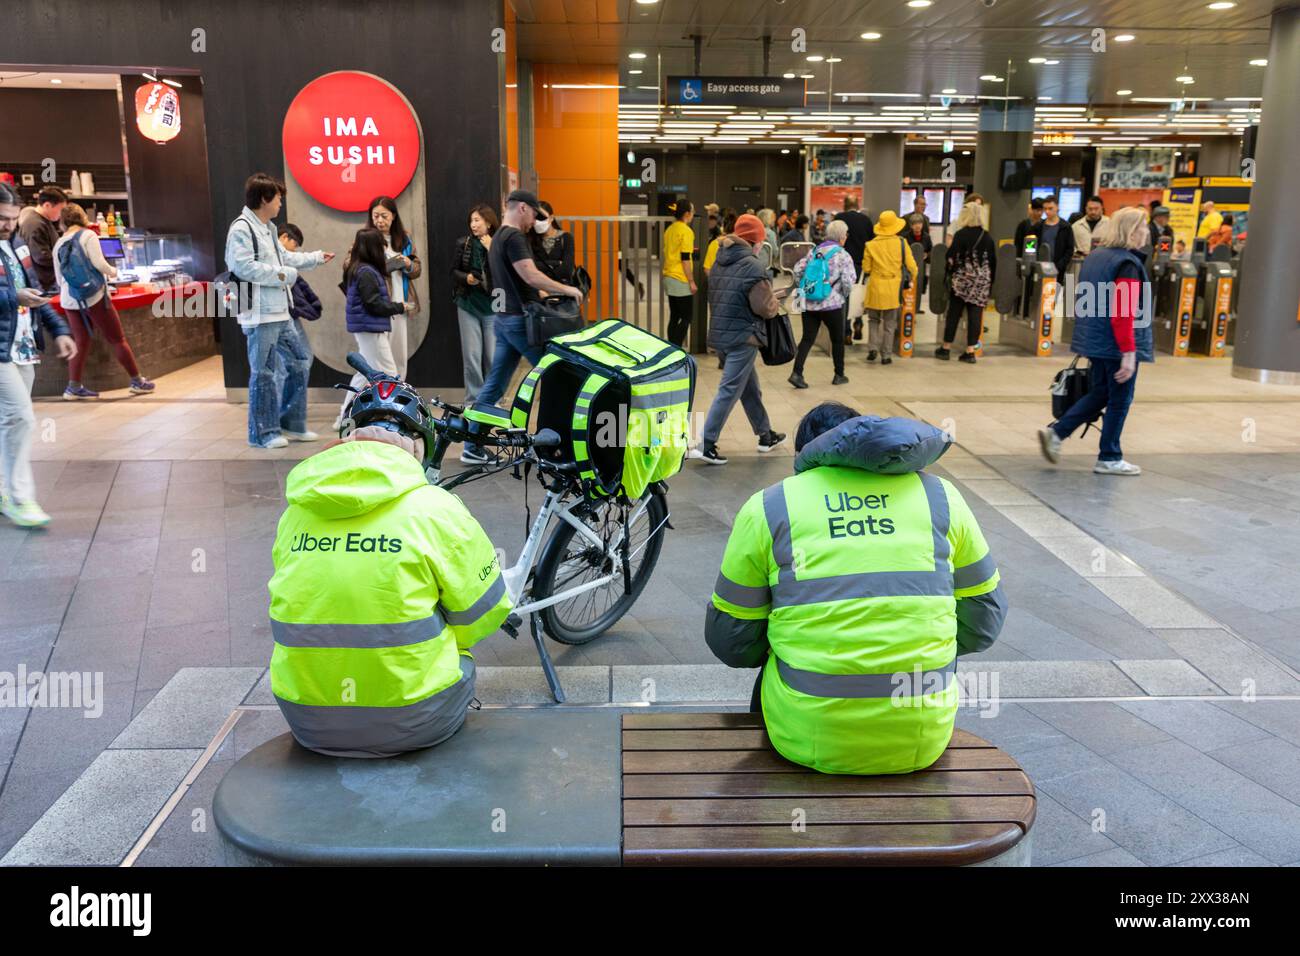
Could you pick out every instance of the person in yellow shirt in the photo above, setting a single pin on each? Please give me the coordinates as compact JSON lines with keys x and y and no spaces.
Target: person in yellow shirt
{"x":1210,"y":223}
{"x":679,"y":271}
{"x":883,"y":261}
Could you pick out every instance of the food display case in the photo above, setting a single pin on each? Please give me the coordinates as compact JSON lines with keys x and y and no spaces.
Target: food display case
{"x":164,"y":259}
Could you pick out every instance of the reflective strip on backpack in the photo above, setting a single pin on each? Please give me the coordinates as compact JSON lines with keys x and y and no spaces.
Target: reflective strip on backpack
{"x":522,"y":407}
{"x":791,"y":591}
{"x":913,"y":683}
{"x":358,"y":635}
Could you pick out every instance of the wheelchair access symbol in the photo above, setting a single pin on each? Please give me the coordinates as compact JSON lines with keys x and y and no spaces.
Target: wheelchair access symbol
{"x":692,"y":91}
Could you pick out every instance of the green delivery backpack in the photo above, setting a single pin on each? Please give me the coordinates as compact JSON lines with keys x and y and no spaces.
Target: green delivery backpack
{"x":620,"y":398}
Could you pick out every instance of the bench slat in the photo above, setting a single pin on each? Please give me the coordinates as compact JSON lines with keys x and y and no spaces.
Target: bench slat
{"x":832,"y":845}
{"x":828,"y":810}
{"x":937,"y":784}
{"x":769,"y":761}
{"x":740,"y":721}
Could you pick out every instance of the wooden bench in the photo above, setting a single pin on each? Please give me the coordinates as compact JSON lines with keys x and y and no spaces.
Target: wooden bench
{"x":709,"y":789}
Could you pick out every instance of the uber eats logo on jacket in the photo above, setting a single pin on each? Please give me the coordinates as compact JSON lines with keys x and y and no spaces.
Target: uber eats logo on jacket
{"x":353,"y":541}
{"x":845,"y":520}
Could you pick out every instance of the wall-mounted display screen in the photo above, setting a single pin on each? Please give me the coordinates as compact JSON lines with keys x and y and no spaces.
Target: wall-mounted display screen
{"x":956,"y":199}
{"x":1017,"y":174}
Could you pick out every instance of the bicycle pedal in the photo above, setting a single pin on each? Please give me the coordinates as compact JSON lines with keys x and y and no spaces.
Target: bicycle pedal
{"x":512,"y":624}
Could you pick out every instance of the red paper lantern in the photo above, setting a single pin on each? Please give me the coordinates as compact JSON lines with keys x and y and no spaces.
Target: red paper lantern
{"x":158,"y":112}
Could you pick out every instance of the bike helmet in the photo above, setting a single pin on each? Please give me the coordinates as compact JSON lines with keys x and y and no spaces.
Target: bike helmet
{"x":393,"y":405}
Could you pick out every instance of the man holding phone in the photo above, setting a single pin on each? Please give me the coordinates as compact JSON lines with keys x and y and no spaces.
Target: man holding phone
{"x":24,"y":316}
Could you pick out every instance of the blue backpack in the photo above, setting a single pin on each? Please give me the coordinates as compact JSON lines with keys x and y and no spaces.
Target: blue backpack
{"x":816,"y":285}
{"x":83,"y":279}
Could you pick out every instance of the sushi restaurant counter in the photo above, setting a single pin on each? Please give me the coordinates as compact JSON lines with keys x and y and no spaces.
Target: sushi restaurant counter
{"x":168,"y":327}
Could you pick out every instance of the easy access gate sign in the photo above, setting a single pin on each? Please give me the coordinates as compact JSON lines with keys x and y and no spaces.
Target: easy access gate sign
{"x":761,"y":91}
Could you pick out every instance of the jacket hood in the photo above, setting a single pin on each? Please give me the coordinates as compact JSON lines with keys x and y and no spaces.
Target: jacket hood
{"x":352,"y":478}
{"x":733,"y":249}
{"x":886,"y":446}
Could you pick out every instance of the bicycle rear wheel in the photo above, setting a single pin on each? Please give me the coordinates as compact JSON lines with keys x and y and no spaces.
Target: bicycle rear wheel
{"x":568,"y":561}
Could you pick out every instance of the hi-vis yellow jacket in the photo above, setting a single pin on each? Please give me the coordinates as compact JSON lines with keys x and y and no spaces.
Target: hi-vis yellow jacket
{"x":856,"y":583}
{"x":382,"y":584}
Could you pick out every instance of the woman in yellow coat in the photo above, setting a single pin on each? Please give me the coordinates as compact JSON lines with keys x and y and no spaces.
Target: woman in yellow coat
{"x":882,"y":262}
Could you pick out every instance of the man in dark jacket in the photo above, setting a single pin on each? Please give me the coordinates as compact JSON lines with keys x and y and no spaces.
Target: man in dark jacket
{"x":1027,"y":225}
{"x":38,"y":228}
{"x":1055,"y":238}
{"x":740,"y":300}
{"x":855,"y":245}
{"x":25,"y":316}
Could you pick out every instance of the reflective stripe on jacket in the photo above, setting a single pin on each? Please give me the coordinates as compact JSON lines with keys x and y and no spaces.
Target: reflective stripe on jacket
{"x":858,"y":588}
{"x":382,"y":582}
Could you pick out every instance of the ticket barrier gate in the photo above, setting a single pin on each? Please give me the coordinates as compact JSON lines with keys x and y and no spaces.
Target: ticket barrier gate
{"x":1032,"y":328}
{"x":905,"y":341}
{"x":1210,"y":326}
{"x":1175,"y":305}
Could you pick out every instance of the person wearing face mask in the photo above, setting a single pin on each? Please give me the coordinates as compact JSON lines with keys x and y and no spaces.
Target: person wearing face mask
{"x":552,"y":246}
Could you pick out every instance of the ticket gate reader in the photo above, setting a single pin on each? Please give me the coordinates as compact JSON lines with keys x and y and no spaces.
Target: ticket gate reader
{"x":1175,"y":308}
{"x":1209,"y":328}
{"x":1032,"y":331}
{"x":905,"y":341}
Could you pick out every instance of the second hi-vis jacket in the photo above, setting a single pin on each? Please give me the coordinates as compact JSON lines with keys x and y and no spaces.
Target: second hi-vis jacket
{"x":856,"y":582}
{"x":382,"y":584}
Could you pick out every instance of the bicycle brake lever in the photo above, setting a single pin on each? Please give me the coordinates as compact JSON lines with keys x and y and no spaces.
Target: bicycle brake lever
{"x":349,"y":388}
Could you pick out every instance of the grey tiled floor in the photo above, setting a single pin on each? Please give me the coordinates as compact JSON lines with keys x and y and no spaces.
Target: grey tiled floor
{"x":155,"y":566}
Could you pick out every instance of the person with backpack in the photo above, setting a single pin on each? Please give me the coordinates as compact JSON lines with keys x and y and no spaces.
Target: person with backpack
{"x":368,"y":309}
{"x":889,"y":263}
{"x":82,"y":273}
{"x":971,"y":266}
{"x":268,"y":271}
{"x":824,"y":279}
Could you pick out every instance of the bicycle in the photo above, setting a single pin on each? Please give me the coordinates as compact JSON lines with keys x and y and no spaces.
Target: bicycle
{"x":579,"y":580}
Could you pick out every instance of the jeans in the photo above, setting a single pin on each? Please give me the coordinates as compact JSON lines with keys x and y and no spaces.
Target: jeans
{"x":812,"y":322}
{"x":511,"y":345}
{"x":1104,"y":393}
{"x":883,"y":328}
{"x":278,"y":361}
{"x":477,"y":336}
{"x":17,"y":426}
{"x":739,"y":381}
{"x":974,"y":321}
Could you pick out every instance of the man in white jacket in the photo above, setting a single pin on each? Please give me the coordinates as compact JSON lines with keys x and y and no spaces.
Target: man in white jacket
{"x":1085,"y":227}
{"x":256,"y":258}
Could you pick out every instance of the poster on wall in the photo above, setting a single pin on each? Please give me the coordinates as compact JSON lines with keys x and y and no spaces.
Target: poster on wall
{"x":1184,"y":204}
{"x":834,"y":178}
{"x":1145,"y":168}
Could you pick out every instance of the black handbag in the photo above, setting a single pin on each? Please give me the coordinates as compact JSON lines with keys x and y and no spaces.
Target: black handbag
{"x":547,"y":318}
{"x":1070,"y":385}
{"x":780,"y":347}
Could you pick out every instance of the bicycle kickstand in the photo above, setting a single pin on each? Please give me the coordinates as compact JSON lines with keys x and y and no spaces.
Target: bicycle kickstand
{"x":552,"y":678}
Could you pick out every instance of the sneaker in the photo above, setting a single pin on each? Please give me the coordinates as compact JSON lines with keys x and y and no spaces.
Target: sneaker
{"x":943,"y":353}
{"x":279,"y":441}
{"x":141,"y":386}
{"x":710,"y":455}
{"x":840,"y":380}
{"x":77,"y":393}
{"x":300,"y":436}
{"x":1050,"y":442}
{"x":769,"y":441}
{"x":871,"y":356}
{"x":967,"y":357}
{"x":470,"y":455}
{"x":797,"y":381}
{"x":1120,"y":467}
{"x":886,"y":360}
{"x":25,"y":514}
{"x":857,"y":330}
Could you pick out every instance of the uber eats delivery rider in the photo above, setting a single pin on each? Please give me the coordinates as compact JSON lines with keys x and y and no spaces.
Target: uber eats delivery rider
{"x":856,"y":583}
{"x":382,"y":584}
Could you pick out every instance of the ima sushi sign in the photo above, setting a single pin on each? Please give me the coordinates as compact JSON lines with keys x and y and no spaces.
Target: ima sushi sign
{"x":349,"y":137}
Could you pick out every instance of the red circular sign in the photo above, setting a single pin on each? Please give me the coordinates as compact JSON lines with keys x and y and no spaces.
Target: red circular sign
{"x":349,"y":137}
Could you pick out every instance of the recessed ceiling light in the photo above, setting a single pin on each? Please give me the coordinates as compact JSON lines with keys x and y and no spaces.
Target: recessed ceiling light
{"x":814,"y":58}
{"x":871,"y":35}
{"x":1259,"y":62}
{"x":807,"y":76}
{"x":918,"y":3}
{"x":56,"y":81}
{"x":991,"y":77}
{"x":948,"y":91}
{"x":784,"y":152}
{"x":787,"y":76}
{"x":1045,"y":98}
{"x":1124,"y":38}
{"x":965,"y":152}
{"x":636,"y":56}
{"x":1222,"y":5}
{"x":1051,"y":62}
{"x":1037,"y":59}
{"x":635,"y":72}
{"x":834,"y":59}
{"x":1056,"y":152}
{"x":646,"y":3}
{"x":1185,"y":78}
{"x":1123,"y":92}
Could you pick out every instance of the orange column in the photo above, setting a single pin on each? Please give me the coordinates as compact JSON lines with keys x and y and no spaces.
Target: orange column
{"x":575,"y":153}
